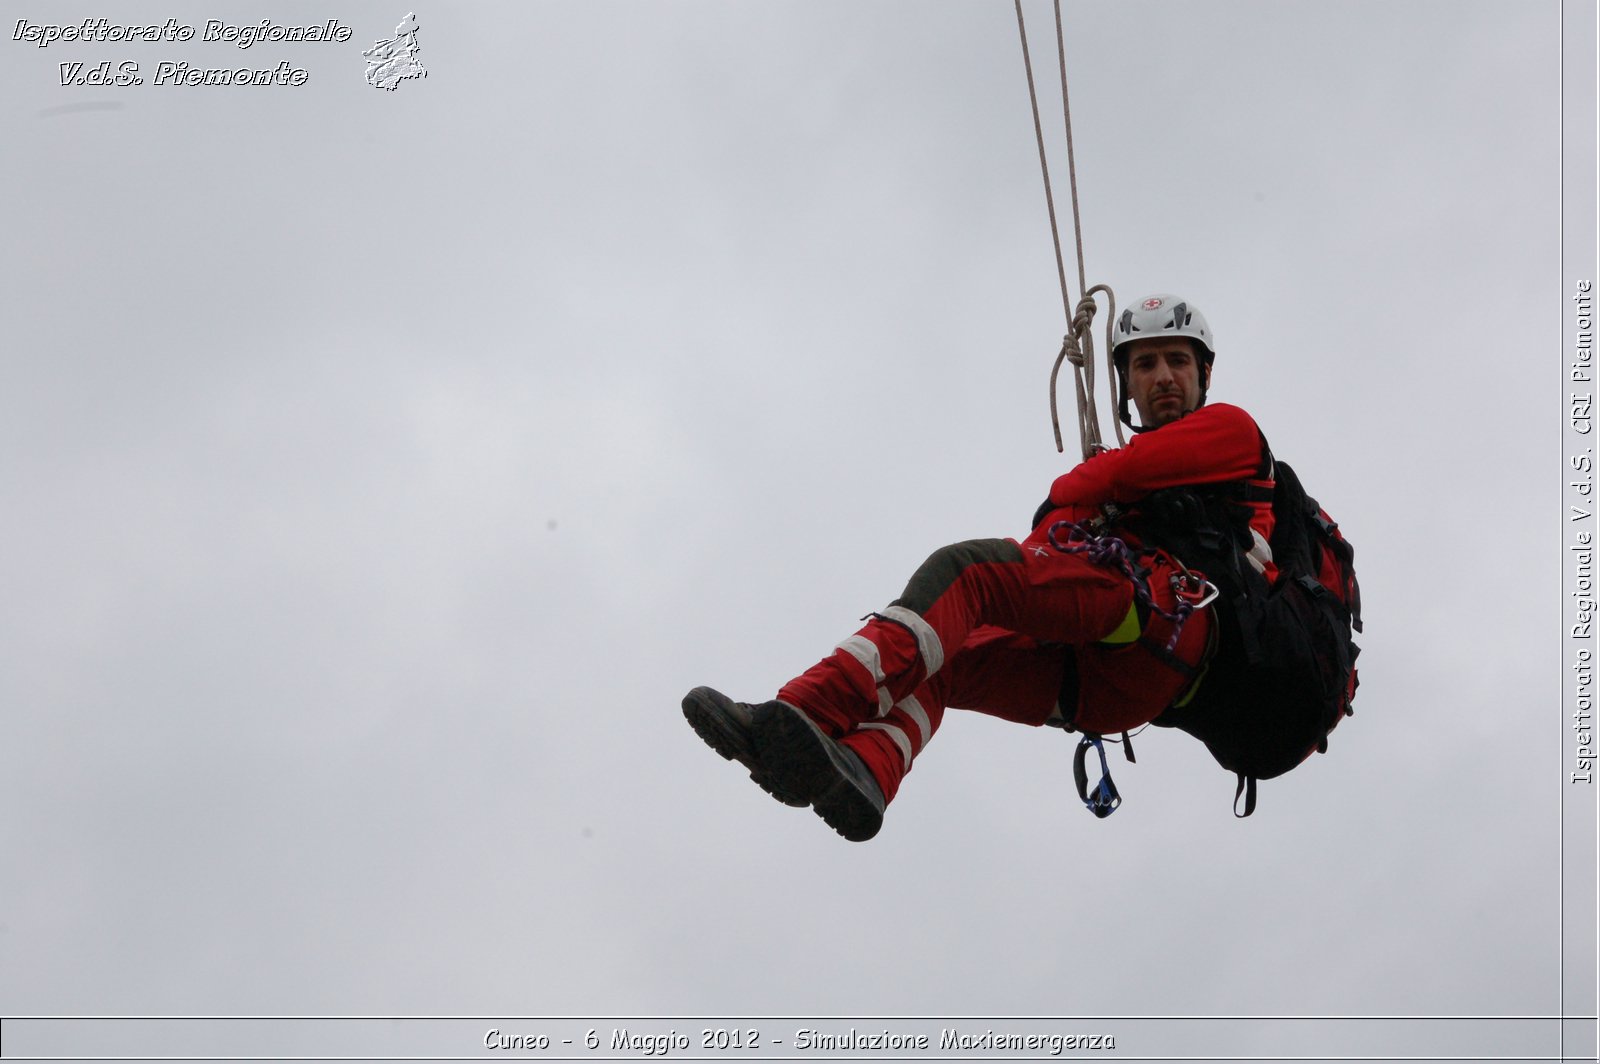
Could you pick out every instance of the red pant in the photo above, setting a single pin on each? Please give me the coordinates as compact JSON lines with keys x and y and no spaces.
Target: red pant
{"x":1001,"y":628}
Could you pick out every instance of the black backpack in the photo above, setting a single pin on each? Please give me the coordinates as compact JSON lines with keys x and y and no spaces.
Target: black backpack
{"x":1284,"y":672}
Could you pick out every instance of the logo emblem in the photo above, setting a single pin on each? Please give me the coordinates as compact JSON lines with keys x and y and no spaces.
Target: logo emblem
{"x":1152,"y":304}
{"x":393,"y":61}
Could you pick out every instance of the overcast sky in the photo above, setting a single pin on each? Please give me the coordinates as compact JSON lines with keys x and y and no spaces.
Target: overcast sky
{"x":383,"y":467}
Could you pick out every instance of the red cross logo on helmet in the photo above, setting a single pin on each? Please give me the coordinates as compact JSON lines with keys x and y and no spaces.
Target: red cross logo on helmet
{"x":1151,"y":304}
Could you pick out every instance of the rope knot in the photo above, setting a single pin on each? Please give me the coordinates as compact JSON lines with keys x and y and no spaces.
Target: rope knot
{"x":1083,"y":316}
{"x":1071,"y":347}
{"x":1070,"y":351}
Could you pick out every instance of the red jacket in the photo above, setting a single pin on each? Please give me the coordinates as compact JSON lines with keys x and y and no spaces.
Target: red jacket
{"x":1215,"y":443}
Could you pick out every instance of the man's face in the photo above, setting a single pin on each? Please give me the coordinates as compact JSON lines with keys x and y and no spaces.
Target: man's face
{"x":1164,"y":375}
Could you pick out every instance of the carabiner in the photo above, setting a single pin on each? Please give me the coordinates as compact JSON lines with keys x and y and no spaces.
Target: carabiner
{"x":1105,"y":799}
{"x":1207,"y":591}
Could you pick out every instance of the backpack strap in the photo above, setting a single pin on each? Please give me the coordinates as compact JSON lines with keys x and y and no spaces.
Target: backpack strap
{"x":1346,"y":554}
{"x":1254,"y":491}
{"x":1246,"y":788}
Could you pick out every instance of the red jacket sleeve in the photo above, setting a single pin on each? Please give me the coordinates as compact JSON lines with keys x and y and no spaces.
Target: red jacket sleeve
{"x":1214,"y":443}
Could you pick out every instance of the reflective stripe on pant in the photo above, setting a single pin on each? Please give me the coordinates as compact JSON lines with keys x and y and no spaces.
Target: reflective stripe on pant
{"x":981,"y":626}
{"x":1036,"y":591}
{"x":1006,"y":674}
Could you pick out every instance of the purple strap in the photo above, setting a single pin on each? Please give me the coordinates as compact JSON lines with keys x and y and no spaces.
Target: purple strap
{"x":1111,"y":552}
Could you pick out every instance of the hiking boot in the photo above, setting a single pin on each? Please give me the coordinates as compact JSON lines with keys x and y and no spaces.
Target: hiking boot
{"x":726,"y":726}
{"x":801,"y":759}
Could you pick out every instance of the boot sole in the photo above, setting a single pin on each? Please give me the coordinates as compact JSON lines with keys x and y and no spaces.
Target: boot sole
{"x":805,"y":760}
{"x":703,"y":710}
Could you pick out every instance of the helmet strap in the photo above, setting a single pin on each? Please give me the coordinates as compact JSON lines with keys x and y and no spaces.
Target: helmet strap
{"x":1122,"y":395}
{"x":1122,"y":403}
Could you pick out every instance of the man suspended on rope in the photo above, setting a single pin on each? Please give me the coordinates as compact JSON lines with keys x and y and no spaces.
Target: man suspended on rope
{"x":1064,"y":626}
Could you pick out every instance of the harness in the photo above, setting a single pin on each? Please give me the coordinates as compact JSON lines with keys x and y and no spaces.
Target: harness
{"x":1191,"y":591}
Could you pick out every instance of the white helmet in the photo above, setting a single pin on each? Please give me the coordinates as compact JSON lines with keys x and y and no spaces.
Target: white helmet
{"x":1153,"y":317}
{"x":1163,"y":315}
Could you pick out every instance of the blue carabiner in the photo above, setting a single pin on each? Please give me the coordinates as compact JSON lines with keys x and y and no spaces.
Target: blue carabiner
{"x":1105,"y":799}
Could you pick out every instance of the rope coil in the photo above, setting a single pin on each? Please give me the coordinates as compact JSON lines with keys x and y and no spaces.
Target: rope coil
{"x":1077,"y":347}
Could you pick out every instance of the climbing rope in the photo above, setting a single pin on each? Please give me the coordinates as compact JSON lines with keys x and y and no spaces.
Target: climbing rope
{"x":1191,"y":591}
{"x":1077,"y":346}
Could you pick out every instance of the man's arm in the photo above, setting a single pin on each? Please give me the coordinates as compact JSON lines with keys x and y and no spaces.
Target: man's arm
{"x":1215,"y":443}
